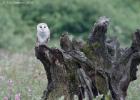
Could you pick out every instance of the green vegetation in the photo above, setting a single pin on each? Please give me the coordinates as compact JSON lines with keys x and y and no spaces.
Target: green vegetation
{"x":18,"y":20}
{"x":29,"y":78}
{"x":21,"y":74}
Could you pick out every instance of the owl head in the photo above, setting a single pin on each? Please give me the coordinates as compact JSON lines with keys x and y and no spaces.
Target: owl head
{"x":42,"y":28}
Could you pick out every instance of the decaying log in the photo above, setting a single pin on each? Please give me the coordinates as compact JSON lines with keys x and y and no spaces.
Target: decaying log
{"x":88,"y":69}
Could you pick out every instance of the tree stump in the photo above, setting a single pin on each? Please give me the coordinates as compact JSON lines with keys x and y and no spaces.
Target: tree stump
{"x":88,"y":69}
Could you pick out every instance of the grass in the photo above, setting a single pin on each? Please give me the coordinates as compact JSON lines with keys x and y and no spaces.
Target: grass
{"x":23,"y":73}
{"x":134,"y":88}
{"x":26,"y":73}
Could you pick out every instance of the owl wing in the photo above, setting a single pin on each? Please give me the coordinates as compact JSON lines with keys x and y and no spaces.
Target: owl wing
{"x":47,"y":39}
{"x":37,"y":42}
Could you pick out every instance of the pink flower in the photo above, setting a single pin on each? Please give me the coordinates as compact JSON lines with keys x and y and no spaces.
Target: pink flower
{"x":5,"y":98}
{"x":17,"y":96}
{"x":10,"y":83}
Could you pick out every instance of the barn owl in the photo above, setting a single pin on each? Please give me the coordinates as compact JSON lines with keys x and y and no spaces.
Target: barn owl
{"x":43,"y":34}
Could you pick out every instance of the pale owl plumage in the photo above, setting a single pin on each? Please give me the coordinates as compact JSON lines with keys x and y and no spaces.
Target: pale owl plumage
{"x":43,"y":33}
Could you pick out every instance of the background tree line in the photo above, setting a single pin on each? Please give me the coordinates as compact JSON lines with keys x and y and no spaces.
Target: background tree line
{"x":18,"y":21}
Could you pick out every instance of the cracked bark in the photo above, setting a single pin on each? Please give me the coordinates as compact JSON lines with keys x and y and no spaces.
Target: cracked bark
{"x":92,"y":68}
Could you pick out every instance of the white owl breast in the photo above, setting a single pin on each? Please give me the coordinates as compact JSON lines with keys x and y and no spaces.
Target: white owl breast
{"x":42,"y":37}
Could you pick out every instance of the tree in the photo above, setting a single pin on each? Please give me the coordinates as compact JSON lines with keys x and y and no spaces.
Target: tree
{"x":88,"y":69}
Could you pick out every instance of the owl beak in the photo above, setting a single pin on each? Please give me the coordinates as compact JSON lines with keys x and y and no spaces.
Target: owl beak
{"x":42,"y":31}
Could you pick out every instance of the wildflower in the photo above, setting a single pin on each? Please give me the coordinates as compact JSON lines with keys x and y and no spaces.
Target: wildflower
{"x":5,"y":98}
{"x":10,"y":83}
{"x":17,"y":96}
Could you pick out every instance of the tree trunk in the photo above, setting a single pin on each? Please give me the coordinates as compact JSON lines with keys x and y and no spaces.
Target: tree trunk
{"x":98,"y":66}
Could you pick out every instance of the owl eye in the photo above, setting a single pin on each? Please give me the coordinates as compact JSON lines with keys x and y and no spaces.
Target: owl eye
{"x":44,"y":26}
{"x":40,"y":26}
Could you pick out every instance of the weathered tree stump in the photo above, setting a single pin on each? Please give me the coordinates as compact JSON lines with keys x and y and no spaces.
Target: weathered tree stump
{"x":92,"y":68}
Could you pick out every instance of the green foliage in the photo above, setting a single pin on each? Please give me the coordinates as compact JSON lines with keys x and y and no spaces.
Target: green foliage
{"x":15,"y":34}
{"x":18,"y":21}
